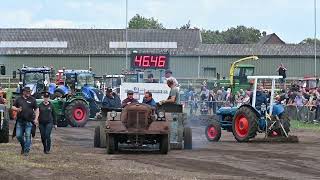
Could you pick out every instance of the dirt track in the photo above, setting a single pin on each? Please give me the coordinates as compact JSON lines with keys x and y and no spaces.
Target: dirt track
{"x":73,"y":157}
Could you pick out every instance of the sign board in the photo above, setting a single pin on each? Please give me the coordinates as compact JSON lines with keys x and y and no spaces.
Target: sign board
{"x":159,"y":91}
{"x":150,"y":61}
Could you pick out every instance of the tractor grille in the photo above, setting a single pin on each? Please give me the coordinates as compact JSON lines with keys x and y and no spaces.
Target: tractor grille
{"x":137,"y":119}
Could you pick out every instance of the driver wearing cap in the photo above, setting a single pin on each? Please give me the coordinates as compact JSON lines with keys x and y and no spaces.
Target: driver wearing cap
{"x":129,"y":99}
{"x":111,"y":100}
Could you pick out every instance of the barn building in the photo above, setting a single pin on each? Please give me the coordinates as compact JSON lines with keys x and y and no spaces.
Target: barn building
{"x":105,"y":51}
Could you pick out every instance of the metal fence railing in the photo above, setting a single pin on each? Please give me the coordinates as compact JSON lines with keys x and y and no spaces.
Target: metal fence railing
{"x":8,"y":82}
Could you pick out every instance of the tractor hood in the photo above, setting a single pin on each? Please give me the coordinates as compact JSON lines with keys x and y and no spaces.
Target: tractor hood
{"x":227,"y":111}
{"x":90,"y":92}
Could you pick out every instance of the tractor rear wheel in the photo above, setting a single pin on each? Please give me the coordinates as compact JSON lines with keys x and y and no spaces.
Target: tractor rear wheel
{"x":77,"y":113}
{"x":244,"y":124}
{"x":4,"y":131}
{"x":285,"y":120}
{"x":187,"y":138}
{"x":213,"y":131}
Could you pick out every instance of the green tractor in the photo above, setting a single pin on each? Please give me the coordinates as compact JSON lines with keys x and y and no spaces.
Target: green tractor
{"x":237,"y":76}
{"x":71,"y":109}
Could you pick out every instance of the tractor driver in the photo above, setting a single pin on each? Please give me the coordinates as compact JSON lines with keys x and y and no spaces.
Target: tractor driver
{"x":261,"y":97}
{"x":174,"y":96}
{"x":129,"y":99}
{"x":111,"y":100}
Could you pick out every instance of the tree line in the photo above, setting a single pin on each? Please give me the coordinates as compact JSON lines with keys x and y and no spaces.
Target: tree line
{"x":233,"y":35}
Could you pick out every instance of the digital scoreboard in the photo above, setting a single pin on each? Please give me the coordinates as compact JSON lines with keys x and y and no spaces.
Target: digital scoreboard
{"x":150,"y":61}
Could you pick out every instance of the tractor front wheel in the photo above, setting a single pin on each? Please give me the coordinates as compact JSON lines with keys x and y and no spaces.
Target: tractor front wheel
{"x":164,"y":144}
{"x":77,"y":113}
{"x":244,"y":124}
{"x":187,"y":137}
{"x":213,"y":131}
{"x":96,"y":138}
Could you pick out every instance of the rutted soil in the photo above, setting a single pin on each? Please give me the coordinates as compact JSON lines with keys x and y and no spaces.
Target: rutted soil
{"x":73,"y":157}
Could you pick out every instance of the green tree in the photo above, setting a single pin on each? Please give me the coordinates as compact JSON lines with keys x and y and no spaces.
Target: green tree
{"x":242,"y":35}
{"x":140,"y":22}
{"x":309,"y":41}
{"x":186,"y":26}
{"x":238,"y":35}
{"x":212,"y":37}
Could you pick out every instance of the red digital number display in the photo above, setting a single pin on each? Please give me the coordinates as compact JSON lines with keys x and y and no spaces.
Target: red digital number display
{"x":150,"y":61}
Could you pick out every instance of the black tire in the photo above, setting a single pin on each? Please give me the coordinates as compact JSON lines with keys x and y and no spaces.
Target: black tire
{"x":4,"y":131}
{"x":110,"y":144}
{"x":77,"y":113}
{"x":187,"y":138}
{"x":285,"y":120}
{"x":62,"y":123}
{"x":244,"y":124}
{"x":96,"y":139}
{"x":164,"y":144}
{"x":213,"y":131}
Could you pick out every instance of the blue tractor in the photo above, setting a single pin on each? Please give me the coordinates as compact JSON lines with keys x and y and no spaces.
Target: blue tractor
{"x":81,"y":83}
{"x":37,"y":78}
{"x":247,"y":120}
{"x":70,"y":110}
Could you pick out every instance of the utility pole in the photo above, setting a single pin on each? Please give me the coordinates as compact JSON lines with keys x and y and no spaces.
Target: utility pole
{"x":315,"y":38}
{"x":126,"y":34}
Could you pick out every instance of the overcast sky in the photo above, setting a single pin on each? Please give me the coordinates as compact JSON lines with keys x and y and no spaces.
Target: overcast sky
{"x":292,"y":20}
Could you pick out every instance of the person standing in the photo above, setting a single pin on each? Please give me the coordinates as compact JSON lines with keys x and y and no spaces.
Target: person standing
{"x":2,"y":99}
{"x":47,"y":120}
{"x":168,"y":75}
{"x":151,"y":79}
{"x":28,"y":113}
{"x":282,"y":72}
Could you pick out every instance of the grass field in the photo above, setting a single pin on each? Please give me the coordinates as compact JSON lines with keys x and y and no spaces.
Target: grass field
{"x":301,"y":125}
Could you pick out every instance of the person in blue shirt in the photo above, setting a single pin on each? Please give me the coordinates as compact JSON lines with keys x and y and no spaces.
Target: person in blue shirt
{"x":111,"y":100}
{"x":147,"y":99}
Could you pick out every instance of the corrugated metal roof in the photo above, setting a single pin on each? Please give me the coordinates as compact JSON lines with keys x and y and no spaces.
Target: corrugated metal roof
{"x":95,"y":42}
{"x":256,"y":49}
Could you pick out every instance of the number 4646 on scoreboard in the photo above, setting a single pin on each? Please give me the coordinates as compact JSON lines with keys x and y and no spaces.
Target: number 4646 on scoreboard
{"x":150,"y":61}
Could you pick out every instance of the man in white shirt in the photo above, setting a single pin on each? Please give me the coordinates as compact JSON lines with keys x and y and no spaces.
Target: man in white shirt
{"x":167,"y":75}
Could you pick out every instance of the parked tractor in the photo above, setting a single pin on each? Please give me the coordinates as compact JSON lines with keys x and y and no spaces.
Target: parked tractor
{"x":81,"y":83}
{"x":238,"y":74}
{"x":248,"y":120}
{"x":138,"y":125}
{"x":37,"y":78}
{"x":70,"y":109}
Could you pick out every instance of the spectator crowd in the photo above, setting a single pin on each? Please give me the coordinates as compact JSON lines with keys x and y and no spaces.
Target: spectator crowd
{"x":297,"y":97}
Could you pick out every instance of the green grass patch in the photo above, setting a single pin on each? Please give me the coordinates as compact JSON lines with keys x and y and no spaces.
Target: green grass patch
{"x":301,"y":125}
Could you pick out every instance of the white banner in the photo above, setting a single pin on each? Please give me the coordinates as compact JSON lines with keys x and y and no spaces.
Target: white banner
{"x":159,"y":91}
